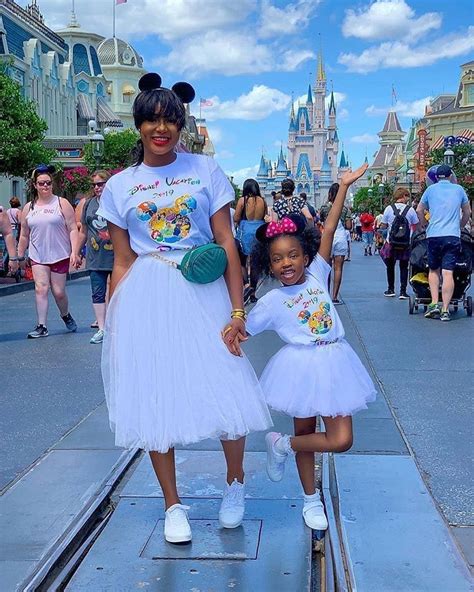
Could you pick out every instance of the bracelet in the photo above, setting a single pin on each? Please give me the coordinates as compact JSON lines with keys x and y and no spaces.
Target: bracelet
{"x":17,"y":259}
{"x":238,"y":315}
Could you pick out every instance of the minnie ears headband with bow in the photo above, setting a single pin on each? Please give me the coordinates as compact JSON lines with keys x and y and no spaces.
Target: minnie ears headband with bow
{"x":152,"y":81}
{"x":292,"y":224}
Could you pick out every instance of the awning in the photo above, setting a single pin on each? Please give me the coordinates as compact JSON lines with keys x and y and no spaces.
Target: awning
{"x":466,"y":134}
{"x":84,"y":107}
{"x":106,"y":115}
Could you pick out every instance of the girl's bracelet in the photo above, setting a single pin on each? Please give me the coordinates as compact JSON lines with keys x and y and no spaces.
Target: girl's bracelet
{"x":237,"y":314}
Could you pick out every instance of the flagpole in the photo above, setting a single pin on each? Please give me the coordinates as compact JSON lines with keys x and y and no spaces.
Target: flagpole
{"x":113,"y":4}
{"x":200,"y":108}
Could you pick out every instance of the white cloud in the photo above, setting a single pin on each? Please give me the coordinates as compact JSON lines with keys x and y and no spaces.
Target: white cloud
{"x":364,"y":139}
{"x":230,"y":53}
{"x":169,"y":19}
{"x":285,"y":21}
{"x":388,"y":19}
{"x":293,"y":58}
{"x":258,"y":104}
{"x":401,"y":55}
{"x":403,"y":108}
{"x":240,"y":175}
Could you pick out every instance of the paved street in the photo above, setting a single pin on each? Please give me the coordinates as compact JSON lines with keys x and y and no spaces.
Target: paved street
{"x":48,"y":385}
{"x":423,"y":368}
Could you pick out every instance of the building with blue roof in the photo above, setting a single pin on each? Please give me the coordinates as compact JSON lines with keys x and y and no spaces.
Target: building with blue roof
{"x":313,"y":145}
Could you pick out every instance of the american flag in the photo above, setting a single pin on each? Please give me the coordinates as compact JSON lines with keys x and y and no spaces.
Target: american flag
{"x":206,"y":102}
{"x":120,"y":2}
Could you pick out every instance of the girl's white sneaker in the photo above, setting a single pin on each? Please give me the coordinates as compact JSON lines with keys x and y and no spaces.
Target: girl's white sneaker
{"x":313,"y":512}
{"x":275,"y":460}
{"x":232,"y":508}
{"x":177,"y":527}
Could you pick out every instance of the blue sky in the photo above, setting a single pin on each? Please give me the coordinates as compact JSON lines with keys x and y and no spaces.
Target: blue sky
{"x":248,"y":56}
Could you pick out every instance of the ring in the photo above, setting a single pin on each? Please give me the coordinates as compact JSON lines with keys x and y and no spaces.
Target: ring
{"x":224,"y":333}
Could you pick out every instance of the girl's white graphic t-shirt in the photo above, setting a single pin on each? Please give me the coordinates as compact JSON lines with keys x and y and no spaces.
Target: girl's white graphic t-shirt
{"x":167,"y":208}
{"x":301,"y":314}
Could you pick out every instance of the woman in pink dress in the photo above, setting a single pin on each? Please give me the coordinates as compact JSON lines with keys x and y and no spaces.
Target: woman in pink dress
{"x":49,"y":231}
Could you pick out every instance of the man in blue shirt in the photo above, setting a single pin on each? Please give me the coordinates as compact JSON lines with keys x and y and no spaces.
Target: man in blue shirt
{"x":445,"y":201}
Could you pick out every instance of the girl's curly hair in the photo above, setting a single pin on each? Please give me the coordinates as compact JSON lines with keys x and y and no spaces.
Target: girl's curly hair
{"x":308,"y":236}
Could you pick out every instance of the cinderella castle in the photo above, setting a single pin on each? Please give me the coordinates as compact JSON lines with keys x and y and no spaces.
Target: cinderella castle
{"x":313,"y":147}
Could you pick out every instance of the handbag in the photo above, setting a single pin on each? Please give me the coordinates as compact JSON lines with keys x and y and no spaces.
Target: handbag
{"x":201,"y":265}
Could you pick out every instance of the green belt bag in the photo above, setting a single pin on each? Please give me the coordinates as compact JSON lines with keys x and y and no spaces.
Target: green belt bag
{"x":201,"y":265}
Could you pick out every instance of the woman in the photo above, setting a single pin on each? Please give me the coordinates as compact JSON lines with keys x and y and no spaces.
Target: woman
{"x":249,"y":215}
{"x":49,"y":231}
{"x":162,"y":338}
{"x":291,"y":204}
{"x":339,"y":246}
{"x":14,"y":213}
{"x":99,"y":253}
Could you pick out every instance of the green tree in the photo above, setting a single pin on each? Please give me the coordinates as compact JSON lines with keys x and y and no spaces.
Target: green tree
{"x":463,"y":165}
{"x":367,"y":198}
{"x":22,"y":131}
{"x":118,"y":146}
{"x":237,"y":191}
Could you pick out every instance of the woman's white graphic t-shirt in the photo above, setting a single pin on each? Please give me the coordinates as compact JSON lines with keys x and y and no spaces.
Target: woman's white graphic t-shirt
{"x":300,"y":314}
{"x":167,"y":208}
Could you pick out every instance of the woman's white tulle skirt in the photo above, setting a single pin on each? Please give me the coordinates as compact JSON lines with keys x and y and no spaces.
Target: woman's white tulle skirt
{"x":168,"y":377}
{"x":310,"y":380}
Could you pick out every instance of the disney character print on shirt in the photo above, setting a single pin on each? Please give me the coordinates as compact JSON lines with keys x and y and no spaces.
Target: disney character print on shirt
{"x":100,"y":226}
{"x":312,"y":311}
{"x":168,"y":225}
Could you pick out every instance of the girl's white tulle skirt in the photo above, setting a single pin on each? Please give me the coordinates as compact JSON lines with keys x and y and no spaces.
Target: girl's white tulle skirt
{"x":310,"y":380}
{"x":168,"y":377}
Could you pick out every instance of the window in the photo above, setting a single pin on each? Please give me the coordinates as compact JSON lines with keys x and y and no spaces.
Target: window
{"x":468,"y":94}
{"x":127,"y":98}
{"x":81,"y":59}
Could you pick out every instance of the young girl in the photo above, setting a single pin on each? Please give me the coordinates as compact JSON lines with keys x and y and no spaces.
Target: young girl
{"x":168,"y":377}
{"x":317,"y":372}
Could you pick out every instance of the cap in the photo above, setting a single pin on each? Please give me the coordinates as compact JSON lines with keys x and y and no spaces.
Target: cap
{"x":444,"y":171}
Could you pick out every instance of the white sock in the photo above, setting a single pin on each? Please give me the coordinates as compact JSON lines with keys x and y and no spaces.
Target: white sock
{"x":283,"y":445}
{"x":314,"y":497}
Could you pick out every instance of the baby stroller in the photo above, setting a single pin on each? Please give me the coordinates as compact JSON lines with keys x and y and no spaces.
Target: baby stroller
{"x":418,"y":274}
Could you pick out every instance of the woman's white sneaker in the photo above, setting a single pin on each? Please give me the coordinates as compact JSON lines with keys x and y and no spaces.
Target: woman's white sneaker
{"x":177,"y":527}
{"x":313,"y":512}
{"x":232,"y":508}
{"x":275,"y":460}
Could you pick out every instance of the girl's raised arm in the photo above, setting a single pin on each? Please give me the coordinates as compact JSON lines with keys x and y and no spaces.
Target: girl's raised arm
{"x":332,"y":219}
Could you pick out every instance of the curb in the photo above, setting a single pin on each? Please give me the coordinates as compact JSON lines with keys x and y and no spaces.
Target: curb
{"x":30,"y":285}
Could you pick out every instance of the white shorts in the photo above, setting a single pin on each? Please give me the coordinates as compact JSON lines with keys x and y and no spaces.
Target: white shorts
{"x":339,"y":248}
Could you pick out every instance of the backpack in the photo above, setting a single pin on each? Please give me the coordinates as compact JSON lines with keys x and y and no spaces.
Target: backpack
{"x":399,"y":236}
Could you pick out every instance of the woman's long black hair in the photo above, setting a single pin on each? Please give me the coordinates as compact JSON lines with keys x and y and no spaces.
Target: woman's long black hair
{"x":251,"y":188}
{"x":307,"y":235}
{"x":333,"y":192}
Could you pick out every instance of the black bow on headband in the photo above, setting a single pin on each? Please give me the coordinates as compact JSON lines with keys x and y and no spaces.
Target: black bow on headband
{"x":152,"y":81}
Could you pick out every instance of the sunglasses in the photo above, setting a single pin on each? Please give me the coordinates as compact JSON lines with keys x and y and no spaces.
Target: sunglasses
{"x":99,"y":184}
{"x":44,"y":183}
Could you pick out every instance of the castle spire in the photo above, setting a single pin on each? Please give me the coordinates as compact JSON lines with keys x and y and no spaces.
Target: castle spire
{"x":332,"y":104}
{"x":321,"y":72}
{"x":292,"y":113}
{"x":310,"y":95}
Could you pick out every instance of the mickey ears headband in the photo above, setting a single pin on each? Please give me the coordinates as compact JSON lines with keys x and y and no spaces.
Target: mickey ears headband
{"x":152,"y":81}
{"x":292,"y":224}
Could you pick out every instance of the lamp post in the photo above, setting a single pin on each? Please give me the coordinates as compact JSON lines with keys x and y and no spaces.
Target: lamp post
{"x":449,"y":157}
{"x":97,"y":141}
{"x":410,"y":180}
{"x":381,"y":194}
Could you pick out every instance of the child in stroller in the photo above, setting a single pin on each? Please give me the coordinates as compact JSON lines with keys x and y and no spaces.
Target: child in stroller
{"x":418,"y":273}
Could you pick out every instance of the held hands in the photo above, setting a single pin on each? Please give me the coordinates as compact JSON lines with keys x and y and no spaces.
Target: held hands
{"x":75,"y":260}
{"x":13,"y":266}
{"x":350,"y":176}
{"x":233,"y":334}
